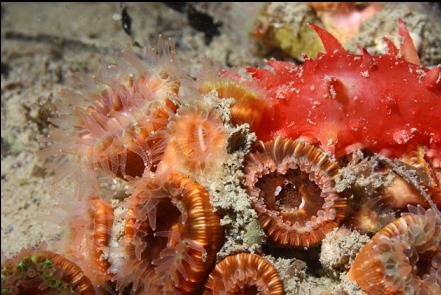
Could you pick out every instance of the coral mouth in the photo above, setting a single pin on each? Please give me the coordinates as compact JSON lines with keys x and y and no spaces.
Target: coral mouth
{"x":249,"y":290}
{"x":166,"y":226}
{"x":293,"y":194}
{"x":423,"y":262}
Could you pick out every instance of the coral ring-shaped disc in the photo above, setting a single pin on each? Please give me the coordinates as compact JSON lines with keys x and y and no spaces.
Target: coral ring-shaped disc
{"x":172,"y":235}
{"x":244,"y":274}
{"x":101,"y":218}
{"x":248,"y":106}
{"x":43,"y":272}
{"x":292,"y":189}
{"x":402,"y":258}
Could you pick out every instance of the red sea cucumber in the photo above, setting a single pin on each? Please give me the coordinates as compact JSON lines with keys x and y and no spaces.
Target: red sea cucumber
{"x":346,"y":101}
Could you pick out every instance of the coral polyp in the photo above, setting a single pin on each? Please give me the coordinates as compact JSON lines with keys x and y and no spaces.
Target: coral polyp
{"x":244,"y":273}
{"x":197,"y":142}
{"x":171,"y":236}
{"x":101,"y":221}
{"x":402,"y":258}
{"x":291,"y":184}
{"x":381,"y":188}
{"x":250,"y":102}
{"x":39,"y":272}
{"x":116,"y":123}
{"x":428,"y":172}
{"x":87,"y":236}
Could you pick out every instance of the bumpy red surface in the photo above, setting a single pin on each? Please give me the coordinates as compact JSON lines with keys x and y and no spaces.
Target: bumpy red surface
{"x":345,"y":101}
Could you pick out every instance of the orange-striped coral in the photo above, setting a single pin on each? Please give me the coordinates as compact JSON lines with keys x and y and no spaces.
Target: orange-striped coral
{"x":373,"y":210}
{"x":39,"y":272}
{"x":400,"y":193}
{"x":292,"y":189}
{"x":172,"y":236}
{"x":86,"y":227}
{"x":250,"y":101}
{"x":369,"y":215}
{"x":382,"y":188}
{"x":101,"y":219}
{"x":115,"y":123}
{"x":244,"y":273}
{"x":413,"y":188}
{"x":403,"y":258}
{"x":197,"y":143}
{"x":427,"y":169}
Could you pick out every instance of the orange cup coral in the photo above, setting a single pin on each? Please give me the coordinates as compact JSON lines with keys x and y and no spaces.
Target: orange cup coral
{"x":116,"y":122}
{"x":344,"y":19}
{"x":403,"y":258}
{"x":87,"y":237}
{"x":197,"y":143}
{"x":35,"y":272}
{"x":382,"y":188}
{"x":427,"y":171}
{"x":292,"y":189}
{"x":172,"y":236}
{"x":244,"y":273}
{"x":249,"y":103}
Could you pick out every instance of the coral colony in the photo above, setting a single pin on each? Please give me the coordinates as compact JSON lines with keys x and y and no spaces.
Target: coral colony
{"x":168,"y":137}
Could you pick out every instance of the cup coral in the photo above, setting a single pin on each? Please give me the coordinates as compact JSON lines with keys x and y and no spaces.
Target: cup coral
{"x":171,"y":236}
{"x":135,"y":121}
{"x":115,"y":122}
{"x":250,"y":100}
{"x":292,"y":189}
{"x":197,"y":142}
{"x":402,"y":258}
{"x":85,"y":226}
{"x":244,"y":273}
{"x":38,"y":272}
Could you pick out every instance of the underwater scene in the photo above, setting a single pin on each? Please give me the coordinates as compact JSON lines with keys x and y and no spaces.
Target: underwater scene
{"x":211,"y":148}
